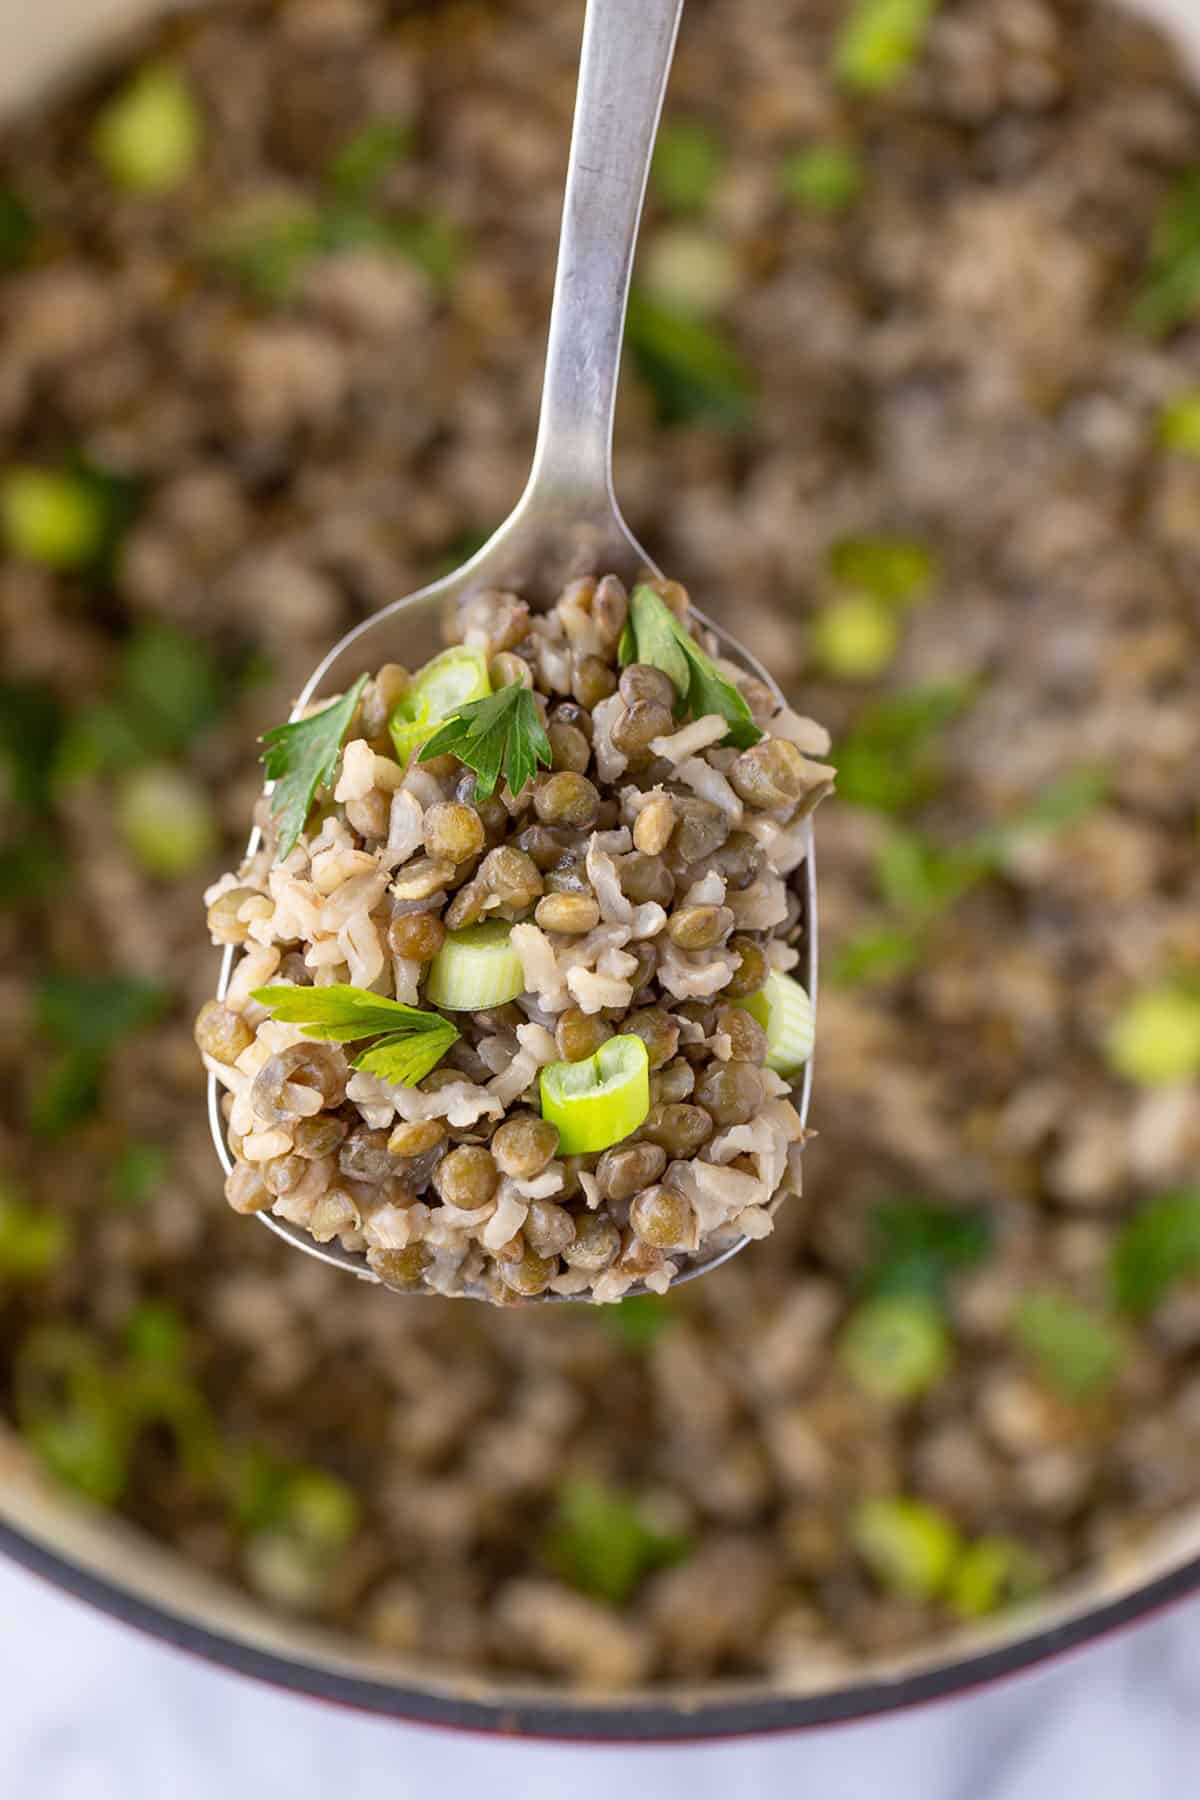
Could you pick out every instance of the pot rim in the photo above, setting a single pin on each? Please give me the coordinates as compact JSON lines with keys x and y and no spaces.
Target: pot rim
{"x":673,"y":1718}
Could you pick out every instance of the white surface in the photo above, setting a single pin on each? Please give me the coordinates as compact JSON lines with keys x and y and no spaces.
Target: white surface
{"x":91,"y":1711}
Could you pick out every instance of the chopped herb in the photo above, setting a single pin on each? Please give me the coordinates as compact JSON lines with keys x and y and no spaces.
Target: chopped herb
{"x":166,"y":819}
{"x":500,"y":734}
{"x":300,"y":758}
{"x":855,"y":638}
{"x":1169,"y":294}
{"x":897,"y":570}
{"x":922,"y":880}
{"x":824,"y":178}
{"x":266,"y":247}
{"x":880,"y":41}
{"x":889,"y":760}
{"x":18,"y":231}
{"x":52,"y":517}
{"x":33,"y":1241}
{"x":896,"y":1347}
{"x":917,"y":1246}
{"x":156,"y":1333}
{"x":1065,"y":801}
{"x":994,"y":1573}
{"x":66,"y":1094}
{"x":875,"y":955}
{"x":136,"y":1171}
{"x":358,"y":167}
{"x":1156,"y":1037}
{"x":1179,"y":424}
{"x":689,"y":159}
{"x":1159,"y":1246}
{"x":412,"y":1041}
{"x":31,"y":725}
{"x":69,"y":1411}
{"x":1077,"y":1352}
{"x":692,"y":368}
{"x":605,"y":1542}
{"x":93,"y":1012}
{"x":654,"y":635}
{"x":909,"y":1547}
{"x":637,"y":1322}
{"x":149,"y":136}
{"x":172,"y":681}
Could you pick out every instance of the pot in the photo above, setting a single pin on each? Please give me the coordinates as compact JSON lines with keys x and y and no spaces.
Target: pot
{"x":105,"y":1562}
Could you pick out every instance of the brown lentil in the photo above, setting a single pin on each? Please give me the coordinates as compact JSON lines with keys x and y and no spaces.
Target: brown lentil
{"x":678,"y":1127}
{"x":416,"y":935}
{"x":220,"y":1033}
{"x":699,"y":927}
{"x":731,"y":1092}
{"x":414,"y":1137}
{"x":453,"y":832}
{"x":579,"y":1034}
{"x":566,"y":799}
{"x":523,"y":1146}
{"x":467,"y":1177}
{"x":751,"y":970}
{"x":626,"y":1168}
{"x":663,"y":1218}
{"x":572,"y":913}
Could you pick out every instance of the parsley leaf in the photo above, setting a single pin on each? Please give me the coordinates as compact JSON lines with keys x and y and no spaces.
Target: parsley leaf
{"x":919,"y":1245}
{"x":501,"y":732}
{"x":1159,"y":1246}
{"x":655,"y":636}
{"x":409,"y":1043}
{"x":301,"y":757}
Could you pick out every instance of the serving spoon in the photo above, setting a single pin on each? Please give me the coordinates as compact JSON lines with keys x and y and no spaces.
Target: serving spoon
{"x":567,"y":521}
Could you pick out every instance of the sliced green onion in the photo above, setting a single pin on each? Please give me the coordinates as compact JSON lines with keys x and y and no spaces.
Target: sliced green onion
{"x":994,"y":1573}
{"x":450,"y":681}
{"x":51,"y":517}
{"x":896,"y":1348}
{"x":909,"y":1547}
{"x":600,"y":1100}
{"x":1156,"y":1039}
{"x":166,"y":819}
{"x":475,"y":968}
{"x":856,"y":637}
{"x":785,"y":1012}
{"x":149,"y":136}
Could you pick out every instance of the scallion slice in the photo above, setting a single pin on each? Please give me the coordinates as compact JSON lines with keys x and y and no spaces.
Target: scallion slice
{"x":785,"y":1012}
{"x":451,"y":680}
{"x":475,"y":968}
{"x":600,"y":1100}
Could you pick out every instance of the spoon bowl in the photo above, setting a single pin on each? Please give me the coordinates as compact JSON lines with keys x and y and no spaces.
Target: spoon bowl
{"x":567,"y":522}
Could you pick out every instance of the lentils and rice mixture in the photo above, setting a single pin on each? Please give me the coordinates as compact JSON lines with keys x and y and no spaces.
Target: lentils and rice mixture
{"x":912,"y":384}
{"x":643,"y":879}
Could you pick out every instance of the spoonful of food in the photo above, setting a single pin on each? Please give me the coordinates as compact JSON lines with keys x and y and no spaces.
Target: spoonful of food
{"x":517,"y":992}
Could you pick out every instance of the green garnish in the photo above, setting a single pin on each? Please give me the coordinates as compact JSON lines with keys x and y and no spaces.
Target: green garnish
{"x":136,"y":1170}
{"x":1064,"y":801}
{"x":499,"y":734}
{"x":360,"y":164}
{"x":1077,"y":1353}
{"x":875,"y":954}
{"x":605,"y":1542}
{"x":18,"y":231}
{"x":1179,"y":424}
{"x":688,"y":161}
{"x":1159,"y":1246}
{"x":898,"y":570}
{"x":1169,"y":295}
{"x":84,"y":1017}
{"x":896,"y":1347}
{"x":1156,"y":1038}
{"x":922,"y":879}
{"x":889,"y":758}
{"x":785,"y":1012}
{"x":917,"y":1246}
{"x":654,"y":635}
{"x":691,"y":366}
{"x":880,"y":41}
{"x":70,"y":1412}
{"x":52,"y":517}
{"x":825,"y":178}
{"x":33,"y":1241}
{"x":854,"y":638}
{"x":909,"y":1547}
{"x":476,"y":968}
{"x":166,"y":819}
{"x":409,"y":1042}
{"x":599,"y":1100}
{"x":994,"y":1573}
{"x":300,"y":758}
{"x":438,"y":692}
{"x":150,"y":134}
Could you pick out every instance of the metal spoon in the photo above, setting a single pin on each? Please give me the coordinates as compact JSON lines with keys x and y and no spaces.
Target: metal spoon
{"x":567,"y":521}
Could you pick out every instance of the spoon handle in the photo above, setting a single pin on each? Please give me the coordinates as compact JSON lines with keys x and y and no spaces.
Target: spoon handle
{"x":626,"y":55}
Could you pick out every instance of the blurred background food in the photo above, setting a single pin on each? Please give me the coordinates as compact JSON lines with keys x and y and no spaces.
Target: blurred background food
{"x":913,"y":398}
